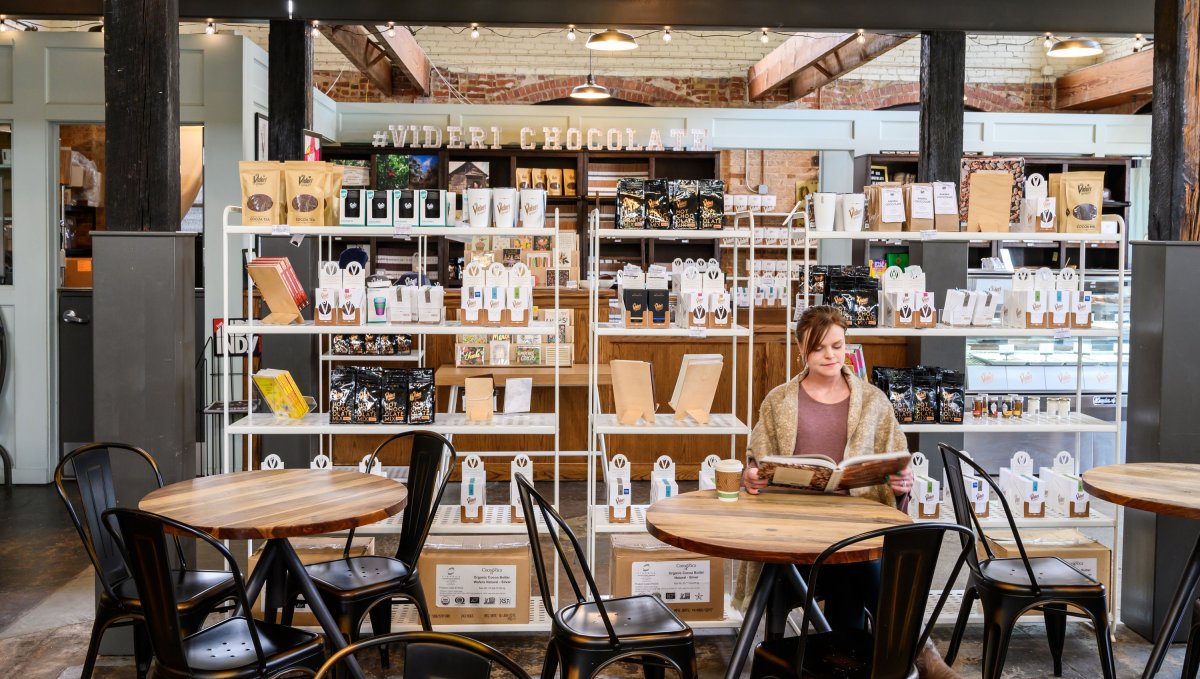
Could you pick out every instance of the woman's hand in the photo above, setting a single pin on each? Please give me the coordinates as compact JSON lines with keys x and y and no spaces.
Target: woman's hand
{"x":751,"y":481}
{"x":901,"y":483}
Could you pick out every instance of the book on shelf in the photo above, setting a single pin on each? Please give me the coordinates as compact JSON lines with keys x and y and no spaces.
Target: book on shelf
{"x":281,"y":393}
{"x":696,"y":386}
{"x":820,"y":473}
{"x":633,"y":391}
{"x":280,"y":288}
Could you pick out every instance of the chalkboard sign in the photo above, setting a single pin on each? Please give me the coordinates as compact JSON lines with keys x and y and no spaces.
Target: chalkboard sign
{"x":879,"y":174}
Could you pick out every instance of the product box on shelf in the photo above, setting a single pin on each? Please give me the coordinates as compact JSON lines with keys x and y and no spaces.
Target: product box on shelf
{"x":945,"y":206}
{"x":310,"y":551}
{"x":353,"y":207}
{"x":708,"y":472}
{"x":1081,"y":309}
{"x":1086,"y":555}
{"x":473,"y":491}
{"x":379,"y":208}
{"x":476,"y":579}
{"x":429,"y":304}
{"x":350,"y":308}
{"x":619,"y":490}
{"x":926,"y":500}
{"x":959,"y":309}
{"x":691,"y":585}
{"x":435,"y":207}
{"x":662,"y":479}
{"x":918,"y":198}
{"x":521,"y":466}
{"x":1064,"y":488}
{"x":984,"y":307}
{"x":1024,"y":491}
{"x":325,"y":310}
{"x":405,"y":207}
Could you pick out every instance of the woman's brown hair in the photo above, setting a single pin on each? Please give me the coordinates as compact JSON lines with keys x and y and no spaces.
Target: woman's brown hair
{"x":813,"y":325}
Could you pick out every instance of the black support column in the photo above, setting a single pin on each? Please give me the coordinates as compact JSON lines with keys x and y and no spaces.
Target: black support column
{"x":1163,"y":371}
{"x":289,"y":95}
{"x":939,"y":155}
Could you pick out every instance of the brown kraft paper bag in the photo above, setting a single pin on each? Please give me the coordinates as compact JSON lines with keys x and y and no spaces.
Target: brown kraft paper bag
{"x":1083,"y":194}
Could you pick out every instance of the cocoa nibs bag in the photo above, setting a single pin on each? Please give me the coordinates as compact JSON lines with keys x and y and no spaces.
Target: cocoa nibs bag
{"x":306,"y":184}
{"x":262,"y":198}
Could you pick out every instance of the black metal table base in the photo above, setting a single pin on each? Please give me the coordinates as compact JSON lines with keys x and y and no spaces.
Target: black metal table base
{"x":758,"y":605}
{"x":1185,"y":594}
{"x":278,"y":553}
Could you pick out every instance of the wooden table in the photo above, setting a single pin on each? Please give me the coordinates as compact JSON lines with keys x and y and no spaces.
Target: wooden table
{"x":777,"y":528}
{"x":1162,"y":488}
{"x":277,"y":504}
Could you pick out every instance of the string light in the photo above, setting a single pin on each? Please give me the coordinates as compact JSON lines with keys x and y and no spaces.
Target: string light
{"x":666,"y":34}
{"x":764,"y":38}
{"x":571,"y":33}
{"x":862,"y":36}
{"x":391,"y":29}
{"x":1049,"y":41}
{"x":315,"y":30}
{"x":210,"y":28}
{"x":474,"y":31}
{"x":3,"y":23}
{"x":1138,"y":42}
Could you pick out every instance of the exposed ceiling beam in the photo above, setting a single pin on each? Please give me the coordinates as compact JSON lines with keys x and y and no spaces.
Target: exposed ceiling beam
{"x":812,"y":62}
{"x":1108,"y":84}
{"x":407,"y":54}
{"x":1075,"y":17}
{"x":355,"y":43}
{"x":843,"y":60}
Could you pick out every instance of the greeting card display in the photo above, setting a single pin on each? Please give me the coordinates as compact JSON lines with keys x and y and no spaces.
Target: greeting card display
{"x":619,"y":489}
{"x":521,"y":466}
{"x":473,"y":490}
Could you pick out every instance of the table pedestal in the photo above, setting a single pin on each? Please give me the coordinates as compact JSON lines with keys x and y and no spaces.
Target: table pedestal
{"x":1185,"y":594}
{"x":758,"y":605}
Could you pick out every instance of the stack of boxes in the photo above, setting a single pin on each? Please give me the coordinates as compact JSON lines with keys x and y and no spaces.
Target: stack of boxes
{"x":1024,"y":491}
{"x":496,"y":295}
{"x":903,"y":300}
{"x":1042,"y":299}
{"x":525,"y":350}
{"x":390,"y":208}
{"x":703,"y":301}
{"x":1064,"y":489}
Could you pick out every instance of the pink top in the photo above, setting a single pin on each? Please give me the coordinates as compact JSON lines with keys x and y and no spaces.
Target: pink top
{"x":821,"y":427}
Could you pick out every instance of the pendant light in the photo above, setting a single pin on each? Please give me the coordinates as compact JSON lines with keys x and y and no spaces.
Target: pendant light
{"x":589,"y":89}
{"x":1075,"y":47}
{"x":610,"y":40}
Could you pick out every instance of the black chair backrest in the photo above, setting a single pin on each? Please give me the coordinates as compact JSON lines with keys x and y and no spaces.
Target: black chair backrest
{"x":952,"y":461}
{"x":92,"y":465}
{"x":910,"y":556}
{"x":431,"y":452}
{"x":453,"y":656}
{"x":557,"y":528}
{"x":143,"y":542}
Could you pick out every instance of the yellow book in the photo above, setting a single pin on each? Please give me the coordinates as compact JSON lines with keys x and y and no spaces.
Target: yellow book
{"x":281,"y":393}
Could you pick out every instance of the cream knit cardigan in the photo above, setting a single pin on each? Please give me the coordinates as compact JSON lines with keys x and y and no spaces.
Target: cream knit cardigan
{"x":871,"y":427}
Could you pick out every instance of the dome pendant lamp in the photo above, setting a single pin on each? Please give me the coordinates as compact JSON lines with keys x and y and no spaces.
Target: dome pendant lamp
{"x":610,"y":40}
{"x":589,"y":90}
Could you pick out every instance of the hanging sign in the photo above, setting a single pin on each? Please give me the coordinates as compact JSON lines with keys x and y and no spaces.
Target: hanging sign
{"x":550,"y":139}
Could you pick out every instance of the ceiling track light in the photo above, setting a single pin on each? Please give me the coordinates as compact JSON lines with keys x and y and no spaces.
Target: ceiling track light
{"x":210,"y":27}
{"x":3,"y":23}
{"x":391,"y":29}
{"x":571,"y":33}
{"x":1075,"y":48}
{"x":610,"y":40}
{"x":474,"y":31}
{"x":764,"y":38}
{"x":315,"y":31}
{"x":666,"y":34}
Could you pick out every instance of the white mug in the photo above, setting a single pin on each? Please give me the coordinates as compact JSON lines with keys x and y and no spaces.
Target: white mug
{"x":824,"y":209}
{"x":851,"y":210}
{"x":533,"y":208}
{"x":478,"y":207}
{"x":504,"y":208}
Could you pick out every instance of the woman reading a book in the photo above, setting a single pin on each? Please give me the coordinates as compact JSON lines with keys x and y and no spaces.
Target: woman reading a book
{"x":827,"y":410}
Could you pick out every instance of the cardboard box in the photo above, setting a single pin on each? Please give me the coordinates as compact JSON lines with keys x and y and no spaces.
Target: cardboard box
{"x":474,"y":579}
{"x":313,"y":550}
{"x":692,"y":585}
{"x":1085,"y":554}
{"x":78,"y":272}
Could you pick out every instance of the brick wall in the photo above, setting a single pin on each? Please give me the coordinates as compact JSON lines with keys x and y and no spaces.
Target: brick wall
{"x":781,"y":171}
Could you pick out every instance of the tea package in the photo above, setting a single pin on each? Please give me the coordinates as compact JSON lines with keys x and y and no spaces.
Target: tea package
{"x":341,"y":395}
{"x":631,"y":203}
{"x":395,"y":397}
{"x":568,"y":182}
{"x":368,"y":391}
{"x":305,"y":184}
{"x":712,"y":203}
{"x":333,"y":191}
{"x":554,"y":186}
{"x":524,"y":178}
{"x":539,"y":178}
{"x":420,"y":396}
{"x":658,"y":206}
{"x":1082,"y":196}
{"x":684,"y":203}
{"x":262,"y":185}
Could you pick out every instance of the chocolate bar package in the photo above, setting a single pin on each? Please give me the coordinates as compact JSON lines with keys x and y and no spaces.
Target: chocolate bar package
{"x":951,"y":398}
{"x":368,"y":391}
{"x":395,"y":397}
{"x":900,"y":393}
{"x":712,"y":203}
{"x":420,"y":396}
{"x":685,"y":203}
{"x":340,"y":345}
{"x":924,"y":391}
{"x":341,"y":395}
{"x":631,"y":203}
{"x":403,"y":344}
{"x":658,"y":204}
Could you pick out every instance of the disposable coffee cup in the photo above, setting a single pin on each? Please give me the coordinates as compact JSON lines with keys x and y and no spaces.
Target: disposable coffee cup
{"x":504,"y":208}
{"x":824,"y":210}
{"x":729,"y":480}
{"x":479,"y":208}
{"x":851,"y":208}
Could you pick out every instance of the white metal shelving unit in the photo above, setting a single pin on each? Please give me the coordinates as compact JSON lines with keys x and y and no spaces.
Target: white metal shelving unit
{"x":729,"y":424}
{"x":446,"y":521}
{"x":1076,"y":423}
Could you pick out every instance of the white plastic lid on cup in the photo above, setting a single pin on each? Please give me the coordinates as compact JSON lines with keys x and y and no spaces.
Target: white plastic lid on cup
{"x":729,"y":465}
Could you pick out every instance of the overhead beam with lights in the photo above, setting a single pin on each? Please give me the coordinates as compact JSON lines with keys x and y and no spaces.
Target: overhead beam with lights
{"x":354,"y":42}
{"x":1119,"y":81}
{"x":405,"y":53}
{"x":809,"y":63}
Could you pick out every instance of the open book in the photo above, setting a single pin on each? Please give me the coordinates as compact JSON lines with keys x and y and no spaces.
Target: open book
{"x":822,"y":474}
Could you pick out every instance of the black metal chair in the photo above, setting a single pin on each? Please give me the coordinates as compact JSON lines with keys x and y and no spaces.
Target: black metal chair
{"x":1191,"y":660}
{"x":354,"y":587}
{"x":910,"y":556}
{"x":238,"y":647}
{"x":197,"y":592}
{"x":455,"y":657}
{"x":590,"y":634}
{"x":1008,"y":588}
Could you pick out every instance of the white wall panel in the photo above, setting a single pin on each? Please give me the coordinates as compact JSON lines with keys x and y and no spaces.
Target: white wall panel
{"x":75,"y":75}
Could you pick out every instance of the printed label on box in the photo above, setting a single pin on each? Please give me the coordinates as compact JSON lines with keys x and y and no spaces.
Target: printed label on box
{"x":474,"y":586}
{"x":672,"y":581}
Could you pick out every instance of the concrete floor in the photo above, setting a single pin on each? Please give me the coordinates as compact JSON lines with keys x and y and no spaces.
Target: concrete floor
{"x":46,"y":590}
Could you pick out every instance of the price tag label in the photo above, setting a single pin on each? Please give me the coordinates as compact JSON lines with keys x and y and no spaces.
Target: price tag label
{"x":281,"y":230}
{"x":297,"y":240}
{"x":929,"y":234}
{"x":1062,"y":333}
{"x":402,"y":231}
{"x":699,"y":333}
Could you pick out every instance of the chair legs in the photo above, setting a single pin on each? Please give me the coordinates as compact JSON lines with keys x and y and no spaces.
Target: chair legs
{"x":550,"y":664}
{"x":1056,"y":632}
{"x":995,"y":646}
{"x":1191,"y":661}
{"x":960,"y":626}
{"x":105,"y":618}
{"x":581,"y":664}
{"x":1097,"y":609}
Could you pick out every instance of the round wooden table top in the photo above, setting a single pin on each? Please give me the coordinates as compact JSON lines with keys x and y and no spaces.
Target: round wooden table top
{"x":278,"y":503}
{"x":775,"y":526}
{"x":1171,"y":488}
